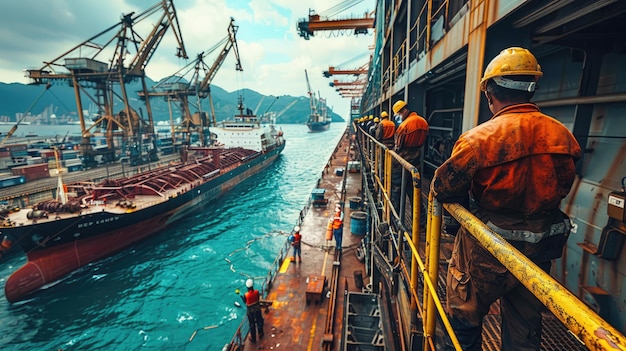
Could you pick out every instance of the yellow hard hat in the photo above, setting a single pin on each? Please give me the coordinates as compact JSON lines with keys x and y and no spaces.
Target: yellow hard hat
{"x":399,"y":105}
{"x":376,"y":120}
{"x":384,"y":114}
{"x":371,"y":117}
{"x":509,"y":62}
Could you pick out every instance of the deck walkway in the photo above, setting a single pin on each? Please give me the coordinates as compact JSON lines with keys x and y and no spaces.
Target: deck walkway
{"x":297,"y":320}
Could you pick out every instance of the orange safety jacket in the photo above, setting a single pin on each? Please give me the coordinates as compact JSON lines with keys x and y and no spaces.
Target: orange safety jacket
{"x":519,"y":162}
{"x":252,"y":297}
{"x":411,"y":133}
{"x":337,"y":221}
{"x":385,"y":131}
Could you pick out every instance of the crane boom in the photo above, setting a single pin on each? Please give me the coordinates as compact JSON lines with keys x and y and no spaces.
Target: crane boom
{"x":93,"y":73}
{"x":295,"y":101}
{"x":203,"y":89}
{"x":312,"y":101}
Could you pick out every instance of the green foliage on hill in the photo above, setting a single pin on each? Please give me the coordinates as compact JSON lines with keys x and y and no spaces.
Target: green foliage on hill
{"x":18,"y":98}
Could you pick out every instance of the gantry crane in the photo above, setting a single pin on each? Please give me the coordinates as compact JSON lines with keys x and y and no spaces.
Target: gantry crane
{"x":357,"y":83}
{"x":93,"y":73}
{"x":354,"y":72}
{"x":307,"y":28}
{"x":178,"y":90}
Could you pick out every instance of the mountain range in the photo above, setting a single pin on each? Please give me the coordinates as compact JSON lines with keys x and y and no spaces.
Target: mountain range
{"x":18,"y":98}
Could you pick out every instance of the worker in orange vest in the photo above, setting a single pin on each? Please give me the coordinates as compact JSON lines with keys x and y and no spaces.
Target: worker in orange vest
{"x":252,"y":298}
{"x":338,"y":228}
{"x":410,"y":136}
{"x":386,"y":130}
{"x":512,"y":171}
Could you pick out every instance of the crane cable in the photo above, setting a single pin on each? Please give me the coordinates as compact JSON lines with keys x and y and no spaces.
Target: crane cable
{"x":340,"y":8}
{"x":10,"y":133}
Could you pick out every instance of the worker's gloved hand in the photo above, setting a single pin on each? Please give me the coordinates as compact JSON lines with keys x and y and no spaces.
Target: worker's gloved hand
{"x":237,"y":291}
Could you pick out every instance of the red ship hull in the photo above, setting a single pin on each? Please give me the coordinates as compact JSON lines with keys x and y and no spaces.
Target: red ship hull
{"x":46,"y":266}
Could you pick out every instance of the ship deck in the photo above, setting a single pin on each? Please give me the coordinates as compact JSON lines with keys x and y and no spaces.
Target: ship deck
{"x":308,"y":299}
{"x":302,"y":315}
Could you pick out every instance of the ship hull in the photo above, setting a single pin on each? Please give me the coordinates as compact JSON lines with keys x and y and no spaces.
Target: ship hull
{"x":318,"y":126}
{"x":96,"y":236}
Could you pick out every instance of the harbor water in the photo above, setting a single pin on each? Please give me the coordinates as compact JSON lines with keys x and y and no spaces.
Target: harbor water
{"x":157,"y":293}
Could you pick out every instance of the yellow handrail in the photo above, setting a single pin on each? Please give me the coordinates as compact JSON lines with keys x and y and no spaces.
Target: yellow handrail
{"x":581,"y":320}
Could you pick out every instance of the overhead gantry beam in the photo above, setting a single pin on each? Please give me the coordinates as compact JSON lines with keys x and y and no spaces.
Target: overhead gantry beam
{"x":306,"y":29}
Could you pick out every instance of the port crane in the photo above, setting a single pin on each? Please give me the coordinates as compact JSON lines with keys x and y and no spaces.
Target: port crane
{"x":179,"y":90}
{"x":353,"y":72}
{"x":93,"y":73}
{"x":312,"y":99}
{"x":317,"y":22}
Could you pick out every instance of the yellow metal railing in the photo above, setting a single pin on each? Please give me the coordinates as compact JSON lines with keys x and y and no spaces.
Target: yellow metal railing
{"x":580,"y":320}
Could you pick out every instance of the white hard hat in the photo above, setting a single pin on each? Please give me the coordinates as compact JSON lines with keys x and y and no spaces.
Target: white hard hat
{"x":296,"y":228}
{"x":249,"y":283}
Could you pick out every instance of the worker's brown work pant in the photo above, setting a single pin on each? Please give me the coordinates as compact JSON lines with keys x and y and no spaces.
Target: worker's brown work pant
{"x":475,"y":280}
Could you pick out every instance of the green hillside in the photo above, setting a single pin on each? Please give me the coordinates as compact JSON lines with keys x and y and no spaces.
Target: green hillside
{"x":59,"y":98}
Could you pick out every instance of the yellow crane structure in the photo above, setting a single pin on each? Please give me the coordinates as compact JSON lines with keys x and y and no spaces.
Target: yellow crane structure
{"x":101,"y":78}
{"x":177,"y":89}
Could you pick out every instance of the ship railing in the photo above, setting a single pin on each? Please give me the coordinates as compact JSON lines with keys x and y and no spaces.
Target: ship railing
{"x":398,"y":254}
{"x":428,"y":25}
{"x":238,"y":340}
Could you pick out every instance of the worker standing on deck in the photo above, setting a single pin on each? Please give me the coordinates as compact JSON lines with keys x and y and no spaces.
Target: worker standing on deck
{"x":513,"y":171}
{"x":373,"y":127}
{"x":252,"y":299}
{"x":296,"y":240}
{"x":410,"y":136}
{"x":386,"y":130}
{"x":338,"y":228}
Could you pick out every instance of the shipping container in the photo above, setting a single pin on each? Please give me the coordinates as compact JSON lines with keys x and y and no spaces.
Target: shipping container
{"x":6,"y":182}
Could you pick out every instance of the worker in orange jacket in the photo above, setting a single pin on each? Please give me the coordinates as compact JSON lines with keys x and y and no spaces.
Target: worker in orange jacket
{"x":512,"y":171}
{"x":338,"y":228}
{"x":386,"y":130}
{"x":409,"y":138}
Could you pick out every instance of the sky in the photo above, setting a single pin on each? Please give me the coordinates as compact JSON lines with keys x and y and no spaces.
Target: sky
{"x":273,"y":55}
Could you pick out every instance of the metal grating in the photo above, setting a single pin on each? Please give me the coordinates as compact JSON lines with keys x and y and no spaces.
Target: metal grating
{"x":555,"y":336}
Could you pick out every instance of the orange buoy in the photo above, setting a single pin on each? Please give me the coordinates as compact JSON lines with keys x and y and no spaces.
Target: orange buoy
{"x":329,"y":230}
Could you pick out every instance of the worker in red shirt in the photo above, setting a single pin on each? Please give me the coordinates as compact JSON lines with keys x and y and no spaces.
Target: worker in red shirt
{"x":512,"y":171}
{"x":252,"y":298}
{"x":409,"y":138}
{"x":296,"y":240}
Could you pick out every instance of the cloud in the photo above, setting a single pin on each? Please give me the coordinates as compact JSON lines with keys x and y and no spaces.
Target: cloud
{"x":273,"y":55}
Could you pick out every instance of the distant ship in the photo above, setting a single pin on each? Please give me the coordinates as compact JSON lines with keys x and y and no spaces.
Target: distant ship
{"x":318,"y":120}
{"x":88,"y":222}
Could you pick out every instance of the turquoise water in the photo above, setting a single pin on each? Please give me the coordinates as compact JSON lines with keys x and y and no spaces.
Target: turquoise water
{"x":155,"y":294}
